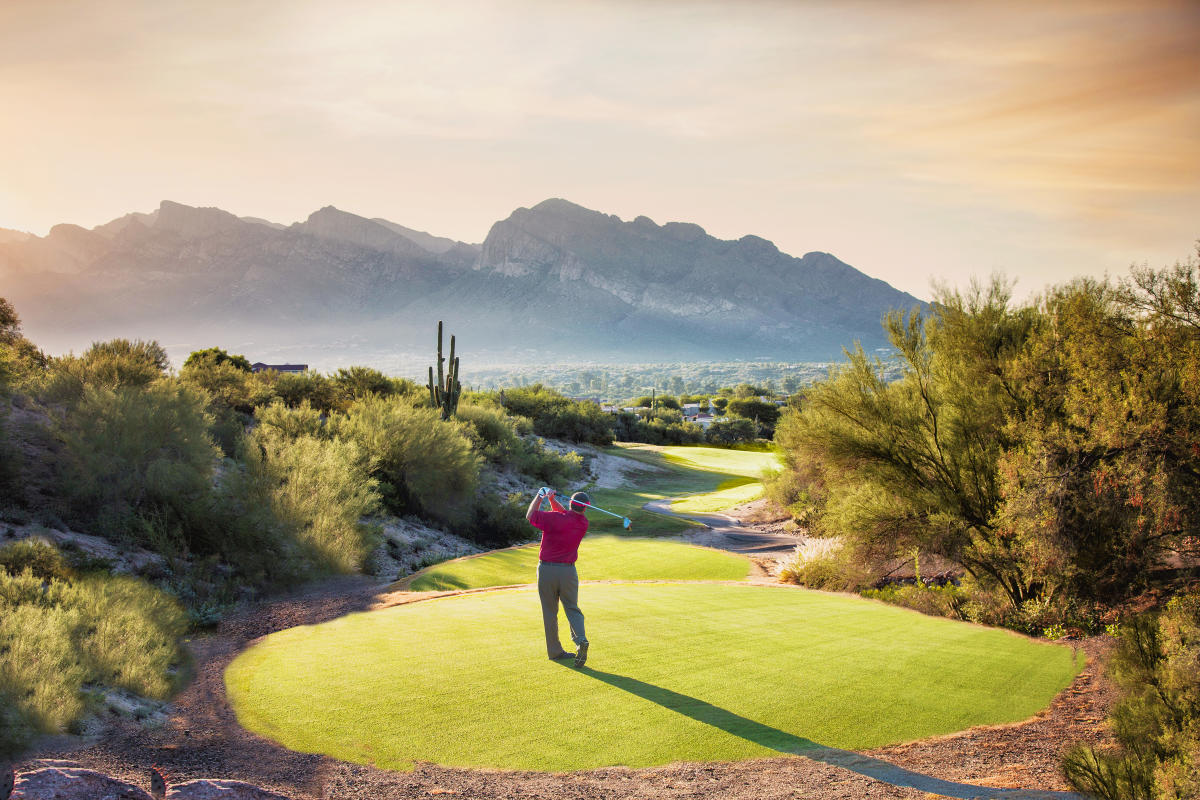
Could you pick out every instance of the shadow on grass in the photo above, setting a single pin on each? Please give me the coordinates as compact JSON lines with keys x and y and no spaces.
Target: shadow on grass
{"x":784,"y":742}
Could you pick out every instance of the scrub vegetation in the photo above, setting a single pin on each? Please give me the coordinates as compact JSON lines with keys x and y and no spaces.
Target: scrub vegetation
{"x":1050,"y":448}
{"x":64,"y":638}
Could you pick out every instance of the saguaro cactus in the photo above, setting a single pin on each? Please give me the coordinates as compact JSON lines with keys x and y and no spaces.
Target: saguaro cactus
{"x":444,"y":394}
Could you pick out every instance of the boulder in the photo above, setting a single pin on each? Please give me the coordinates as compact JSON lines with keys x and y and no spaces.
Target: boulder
{"x":74,"y":783}
{"x":220,"y":790}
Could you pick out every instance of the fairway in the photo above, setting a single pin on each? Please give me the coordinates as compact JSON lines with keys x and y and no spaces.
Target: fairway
{"x":678,"y":672}
{"x":601,"y":558}
{"x":708,"y":479}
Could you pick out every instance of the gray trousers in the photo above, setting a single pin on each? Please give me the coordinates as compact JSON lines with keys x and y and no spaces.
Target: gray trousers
{"x":559,"y":582}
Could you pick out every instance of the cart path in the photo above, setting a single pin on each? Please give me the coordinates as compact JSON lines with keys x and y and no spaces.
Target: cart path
{"x":726,"y":533}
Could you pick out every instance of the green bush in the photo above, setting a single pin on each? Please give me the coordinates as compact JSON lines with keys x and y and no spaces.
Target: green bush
{"x":311,"y":387}
{"x":137,"y":463}
{"x":215,"y":356}
{"x":356,"y":383}
{"x":829,"y":565}
{"x":498,"y":524}
{"x":424,"y":465}
{"x":41,"y":558}
{"x":557,"y":417}
{"x":936,"y":601}
{"x":114,"y":364}
{"x":661,"y":427}
{"x":319,"y":493}
{"x":1156,"y":667}
{"x":497,"y":438}
{"x":731,"y":431}
{"x":228,"y":385}
{"x":58,"y":640}
{"x":291,"y":422}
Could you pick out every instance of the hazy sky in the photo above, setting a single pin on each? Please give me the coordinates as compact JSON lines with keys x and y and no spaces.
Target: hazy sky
{"x":917,"y":141}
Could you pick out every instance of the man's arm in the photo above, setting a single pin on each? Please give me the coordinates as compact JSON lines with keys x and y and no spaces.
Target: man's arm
{"x":533,"y":506}
{"x":554,"y":504}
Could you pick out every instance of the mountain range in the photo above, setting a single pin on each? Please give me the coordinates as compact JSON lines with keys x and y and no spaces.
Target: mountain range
{"x":555,"y":281}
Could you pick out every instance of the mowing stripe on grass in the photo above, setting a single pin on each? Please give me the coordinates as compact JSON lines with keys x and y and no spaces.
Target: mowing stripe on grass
{"x":601,"y":558}
{"x":677,"y":672}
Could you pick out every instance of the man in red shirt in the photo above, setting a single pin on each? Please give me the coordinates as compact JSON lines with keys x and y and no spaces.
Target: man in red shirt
{"x":562,"y":531}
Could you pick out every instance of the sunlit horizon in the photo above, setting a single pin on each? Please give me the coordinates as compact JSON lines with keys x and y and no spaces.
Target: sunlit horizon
{"x":918,"y":142}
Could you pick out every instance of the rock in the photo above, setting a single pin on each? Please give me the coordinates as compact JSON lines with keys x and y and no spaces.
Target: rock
{"x":158,"y":783}
{"x":7,"y":778}
{"x":220,"y":790}
{"x":74,"y":783}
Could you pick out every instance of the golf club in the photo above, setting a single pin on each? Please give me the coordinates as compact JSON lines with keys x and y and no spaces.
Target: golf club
{"x":626,"y":522}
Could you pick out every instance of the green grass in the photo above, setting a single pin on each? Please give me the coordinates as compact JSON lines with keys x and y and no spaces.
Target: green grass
{"x":601,"y":558}
{"x":728,"y":495}
{"x":678,"y":672}
{"x":678,"y":470}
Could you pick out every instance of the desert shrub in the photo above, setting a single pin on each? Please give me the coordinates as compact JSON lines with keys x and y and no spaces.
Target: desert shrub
{"x":291,"y":422}
{"x":497,"y":438}
{"x":557,"y":417}
{"x":827,"y":564}
{"x":987,"y":605}
{"x":319,"y":492}
{"x":796,"y":491}
{"x":424,"y":465}
{"x":227,"y":384}
{"x":41,"y":558}
{"x":60,"y":639}
{"x":660,"y":427}
{"x":137,"y":463}
{"x":936,"y":601}
{"x":115,"y":364}
{"x":355,"y":383}
{"x":287,"y":509}
{"x":498,"y":523}
{"x":311,"y":387}
{"x":226,"y":428}
{"x":1156,"y":667}
{"x":548,"y":466}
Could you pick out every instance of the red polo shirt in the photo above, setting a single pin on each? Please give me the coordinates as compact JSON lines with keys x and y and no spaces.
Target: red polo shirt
{"x":562,"y":531}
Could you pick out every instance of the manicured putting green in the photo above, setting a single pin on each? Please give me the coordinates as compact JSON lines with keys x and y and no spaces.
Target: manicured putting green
{"x":677,"y":672}
{"x":728,"y":495}
{"x":601,"y":558}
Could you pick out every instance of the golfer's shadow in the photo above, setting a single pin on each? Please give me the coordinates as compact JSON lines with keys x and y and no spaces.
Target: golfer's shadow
{"x":784,"y":742}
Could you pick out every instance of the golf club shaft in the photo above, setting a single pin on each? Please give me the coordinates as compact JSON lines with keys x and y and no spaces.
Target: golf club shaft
{"x":594,"y":508}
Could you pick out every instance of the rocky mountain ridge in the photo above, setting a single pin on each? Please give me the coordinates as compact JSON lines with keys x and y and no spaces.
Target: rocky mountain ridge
{"x":554,"y":280}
